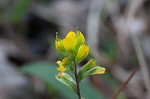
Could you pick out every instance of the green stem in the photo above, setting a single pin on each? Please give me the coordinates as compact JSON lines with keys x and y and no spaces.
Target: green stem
{"x":77,"y":82}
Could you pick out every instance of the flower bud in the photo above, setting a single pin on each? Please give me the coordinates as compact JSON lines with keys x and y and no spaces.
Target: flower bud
{"x":80,"y":39}
{"x":91,"y":63}
{"x":59,"y":44}
{"x":99,"y":70}
{"x":83,"y":51}
{"x":69,"y":43}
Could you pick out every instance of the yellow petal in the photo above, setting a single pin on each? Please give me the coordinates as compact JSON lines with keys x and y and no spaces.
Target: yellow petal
{"x":61,"y":68}
{"x":101,"y":70}
{"x":59,"y":63}
{"x":59,"y":44}
{"x":71,"y":34}
{"x":81,"y":37}
{"x":70,"y":41}
{"x":69,"y":44}
{"x":83,"y":51}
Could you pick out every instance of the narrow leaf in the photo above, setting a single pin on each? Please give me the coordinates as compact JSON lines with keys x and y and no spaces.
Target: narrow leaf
{"x":90,"y":64}
{"x":93,"y":71}
{"x":66,"y":80}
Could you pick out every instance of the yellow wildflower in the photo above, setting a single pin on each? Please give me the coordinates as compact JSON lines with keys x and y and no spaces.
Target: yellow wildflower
{"x":61,"y":68}
{"x":70,"y":43}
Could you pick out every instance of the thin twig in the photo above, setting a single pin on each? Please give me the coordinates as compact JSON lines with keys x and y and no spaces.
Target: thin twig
{"x":133,"y":7}
{"x":124,"y":84}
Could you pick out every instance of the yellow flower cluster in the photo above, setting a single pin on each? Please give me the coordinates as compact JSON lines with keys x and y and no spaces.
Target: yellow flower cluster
{"x":73,"y":46}
{"x":74,"y":50}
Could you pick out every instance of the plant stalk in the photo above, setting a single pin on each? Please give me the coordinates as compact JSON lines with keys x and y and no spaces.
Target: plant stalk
{"x":77,"y":82}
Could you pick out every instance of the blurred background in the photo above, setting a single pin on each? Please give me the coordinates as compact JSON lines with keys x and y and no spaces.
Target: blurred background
{"x":117,"y":31}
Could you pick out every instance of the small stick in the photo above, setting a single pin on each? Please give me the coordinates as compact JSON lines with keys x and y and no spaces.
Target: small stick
{"x":124,"y":84}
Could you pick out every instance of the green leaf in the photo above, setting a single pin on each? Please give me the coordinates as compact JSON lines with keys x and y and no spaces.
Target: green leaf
{"x":66,"y":80}
{"x":47,"y":72}
{"x":91,"y":63}
{"x":92,"y":71}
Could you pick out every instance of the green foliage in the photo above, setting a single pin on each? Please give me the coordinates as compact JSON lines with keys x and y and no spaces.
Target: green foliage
{"x":90,"y":64}
{"x":67,"y":80}
{"x":92,"y":71}
{"x":47,"y":72}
